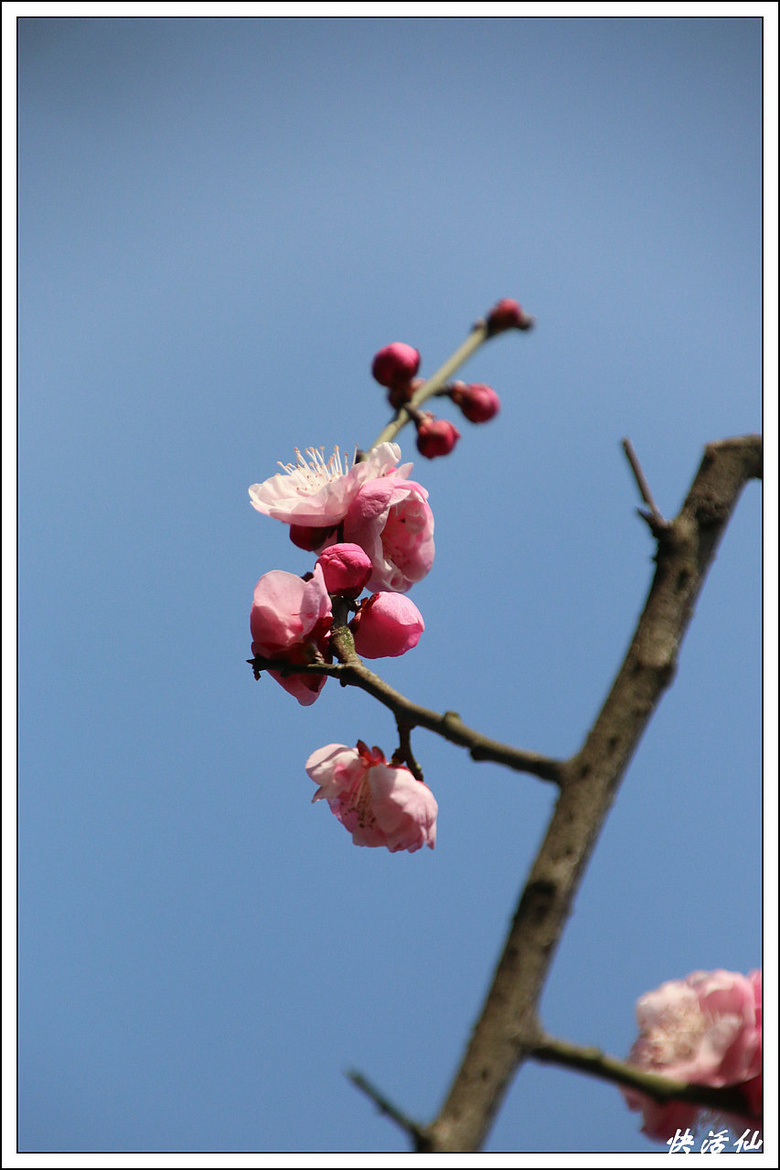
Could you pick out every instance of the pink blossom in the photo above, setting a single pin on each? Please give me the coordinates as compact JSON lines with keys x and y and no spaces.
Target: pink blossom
{"x":388,"y":624}
{"x":396,"y":364}
{"x":315,"y":494}
{"x":704,"y":1029}
{"x":377,"y":802}
{"x":391,"y":519}
{"x":290,"y":622}
{"x":346,"y":568}
{"x":436,"y":436}
{"x":380,"y":508}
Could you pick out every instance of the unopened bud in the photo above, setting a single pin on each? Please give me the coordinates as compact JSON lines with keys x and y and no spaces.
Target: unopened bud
{"x":507,"y":314}
{"x":386,"y":625}
{"x":346,"y":569}
{"x":436,"y":436}
{"x":396,"y":364}
{"x":398,"y":396}
{"x":477,"y":401}
{"x":307,"y":538}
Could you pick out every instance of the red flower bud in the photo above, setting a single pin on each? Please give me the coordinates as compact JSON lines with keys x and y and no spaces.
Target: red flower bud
{"x":308,"y":538}
{"x":436,"y":436}
{"x":507,"y":314}
{"x":398,"y":396}
{"x":396,"y":364}
{"x":477,"y":401}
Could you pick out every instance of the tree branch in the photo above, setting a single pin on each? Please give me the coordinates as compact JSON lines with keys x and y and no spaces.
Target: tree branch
{"x":508,"y":1029}
{"x":351,"y":671}
{"x":594,"y":1062}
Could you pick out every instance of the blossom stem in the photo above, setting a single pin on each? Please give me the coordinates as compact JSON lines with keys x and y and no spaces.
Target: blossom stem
{"x":594,"y":1062}
{"x":478,"y":336}
{"x":404,"y":754}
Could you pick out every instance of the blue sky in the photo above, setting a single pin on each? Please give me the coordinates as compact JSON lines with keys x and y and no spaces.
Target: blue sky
{"x":220,"y":222}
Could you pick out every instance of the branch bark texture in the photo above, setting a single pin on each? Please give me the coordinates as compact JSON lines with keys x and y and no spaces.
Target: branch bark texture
{"x":508,"y":1028}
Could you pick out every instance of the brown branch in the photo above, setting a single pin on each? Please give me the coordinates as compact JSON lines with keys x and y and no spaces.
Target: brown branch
{"x":404,"y":753}
{"x":594,"y":1062}
{"x":351,"y":671}
{"x":508,"y":1028}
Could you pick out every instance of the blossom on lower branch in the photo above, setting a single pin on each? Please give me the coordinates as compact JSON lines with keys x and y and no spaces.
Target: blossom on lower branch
{"x":377,"y":802}
{"x":290,"y":622}
{"x":705,"y":1029}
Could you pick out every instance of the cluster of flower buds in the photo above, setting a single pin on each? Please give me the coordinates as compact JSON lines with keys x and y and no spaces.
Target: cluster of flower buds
{"x":371,"y":528}
{"x":395,"y":367}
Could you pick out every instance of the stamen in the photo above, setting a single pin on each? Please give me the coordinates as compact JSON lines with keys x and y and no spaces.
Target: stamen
{"x":313,"y":473}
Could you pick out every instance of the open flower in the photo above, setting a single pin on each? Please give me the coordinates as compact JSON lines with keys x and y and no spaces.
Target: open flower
{"x":704,"y":1029}
{"x":379,"y":507}
{"x":290,"y":622}
{"x":377,"y":802}
{"x":390,"y":519}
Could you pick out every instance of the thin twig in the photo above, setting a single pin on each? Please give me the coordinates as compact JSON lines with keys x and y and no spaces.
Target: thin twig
{"x":594,"y":1062}
{"x":404,"y":754}
{"x":655,"y":518}
{"x":385,"y":1106}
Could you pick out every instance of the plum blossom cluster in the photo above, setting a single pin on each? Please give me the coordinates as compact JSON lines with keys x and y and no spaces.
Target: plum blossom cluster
{"x":372,"y":529}
{"x":705,"y":1029}
{"x":395,"y":367}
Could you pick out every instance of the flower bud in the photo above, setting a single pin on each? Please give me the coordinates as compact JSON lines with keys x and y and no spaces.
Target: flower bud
{"x":396,"y":364}
{"x":308,"y":538}
{"x":436,"y":436}
{"x":346,"y":569}
{"x":477,"y":401}
{"x":386,"y":625}
{"x":398,"y":396}
{"x":507,"y":314}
